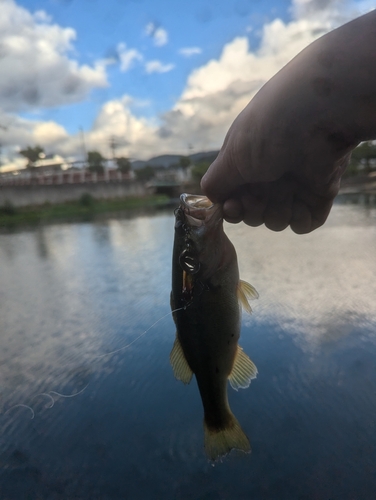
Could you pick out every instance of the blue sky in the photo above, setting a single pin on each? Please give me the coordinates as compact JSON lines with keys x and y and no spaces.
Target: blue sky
{"x":157,"y":75}
{"x":102,"y":25}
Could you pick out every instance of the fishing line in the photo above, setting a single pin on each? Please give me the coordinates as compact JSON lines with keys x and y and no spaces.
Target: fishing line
{"x":141,"y":335}
{"x":68,"y":395}
{"x":49,"y":393}
{"x":20,"y":405}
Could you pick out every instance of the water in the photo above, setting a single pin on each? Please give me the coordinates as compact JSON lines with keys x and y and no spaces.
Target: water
{"x":71,"y":293}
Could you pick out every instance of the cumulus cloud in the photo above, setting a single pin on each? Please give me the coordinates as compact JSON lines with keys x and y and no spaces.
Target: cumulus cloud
{"x":36,"y":69}
{"x":190,"y":51}
{"x":158,"y":34}
{"x":323,"y":8}
{"x":217,"y":91}
{"x":158,"y":67}
{"x":213,"y":95}
{"x":115,"y":119}
{"x":127,"y":56}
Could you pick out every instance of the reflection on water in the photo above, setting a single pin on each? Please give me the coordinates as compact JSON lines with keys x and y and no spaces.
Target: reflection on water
{"x":71,"y":293}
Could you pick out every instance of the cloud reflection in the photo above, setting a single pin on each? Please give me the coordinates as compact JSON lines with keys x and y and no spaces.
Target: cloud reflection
{"x":314,"y":285}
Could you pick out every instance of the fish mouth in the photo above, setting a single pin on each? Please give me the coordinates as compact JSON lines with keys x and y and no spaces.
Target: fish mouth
{"x":199,"y":210}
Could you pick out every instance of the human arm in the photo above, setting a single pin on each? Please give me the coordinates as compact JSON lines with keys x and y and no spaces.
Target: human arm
{"x":284,"y":155}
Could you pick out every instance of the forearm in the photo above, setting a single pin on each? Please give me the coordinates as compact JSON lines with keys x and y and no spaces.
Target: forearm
{"x":319,"y":106}
{"x":283,"y":157}
{"x":335,"y":80}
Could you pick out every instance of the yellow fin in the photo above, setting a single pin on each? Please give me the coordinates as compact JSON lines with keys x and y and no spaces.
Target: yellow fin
{"x":220,"y":442}
{"x":245,"y":293}
{"x":243,"y":371}
{"x":179,"y":364}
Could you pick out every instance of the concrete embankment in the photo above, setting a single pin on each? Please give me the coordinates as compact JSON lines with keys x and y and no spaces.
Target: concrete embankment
{"x":29,"y":195}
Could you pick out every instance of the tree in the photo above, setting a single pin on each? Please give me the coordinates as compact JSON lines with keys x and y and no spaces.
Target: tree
{"x":184,"y":162}
{"x":123,"y":164}
{"x":144,"y":174}
{"x":364,"y":154}
{"x":95,"y":160}
{"x":32,"y":154}
{"x":199,"y":170}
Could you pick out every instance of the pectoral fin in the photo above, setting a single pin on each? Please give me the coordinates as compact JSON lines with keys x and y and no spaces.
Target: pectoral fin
{"x":179,"y":364}
{"x":243,"y":371}
{"x":245,"y":293}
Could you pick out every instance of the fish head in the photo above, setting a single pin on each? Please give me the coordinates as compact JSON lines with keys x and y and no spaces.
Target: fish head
{"x":199,"y":235}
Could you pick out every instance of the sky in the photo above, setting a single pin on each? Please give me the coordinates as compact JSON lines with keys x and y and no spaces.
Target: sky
{"x":152,"y":76}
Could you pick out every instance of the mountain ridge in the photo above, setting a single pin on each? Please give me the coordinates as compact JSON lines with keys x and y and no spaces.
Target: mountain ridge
{"x":170,"y":160}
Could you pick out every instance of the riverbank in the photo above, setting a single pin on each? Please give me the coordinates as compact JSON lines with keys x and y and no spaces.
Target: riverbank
{"x":86,"y":208}
{"x":359,"y":184}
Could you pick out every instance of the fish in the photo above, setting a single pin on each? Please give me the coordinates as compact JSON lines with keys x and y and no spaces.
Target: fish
{"x":206,"y":300}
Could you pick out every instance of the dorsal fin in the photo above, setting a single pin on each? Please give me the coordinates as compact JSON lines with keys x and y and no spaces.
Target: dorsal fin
{"x":245,"y":293}
{"x":179,"y":364}
{"x":243,"y":370}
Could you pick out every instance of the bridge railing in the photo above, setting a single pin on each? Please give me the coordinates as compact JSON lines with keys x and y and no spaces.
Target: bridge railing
{"x":75,"y":177}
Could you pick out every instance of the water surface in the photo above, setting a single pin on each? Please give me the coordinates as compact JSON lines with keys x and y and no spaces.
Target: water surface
{"x":71,"y":293}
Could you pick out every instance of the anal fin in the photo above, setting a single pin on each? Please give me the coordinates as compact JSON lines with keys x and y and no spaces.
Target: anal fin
{"x":243,"y":371}
{"x":179,"y":364}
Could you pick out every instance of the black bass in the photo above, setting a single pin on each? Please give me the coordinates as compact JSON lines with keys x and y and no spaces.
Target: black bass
{"x":205,"y":300}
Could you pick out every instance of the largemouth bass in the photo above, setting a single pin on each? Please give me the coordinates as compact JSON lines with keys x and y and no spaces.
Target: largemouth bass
{"x":206,"y":301}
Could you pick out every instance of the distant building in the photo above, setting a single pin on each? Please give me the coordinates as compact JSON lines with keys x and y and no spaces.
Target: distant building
{"x":50,"y":164}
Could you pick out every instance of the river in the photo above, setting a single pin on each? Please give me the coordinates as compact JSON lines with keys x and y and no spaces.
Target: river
{"x":78,"y":422}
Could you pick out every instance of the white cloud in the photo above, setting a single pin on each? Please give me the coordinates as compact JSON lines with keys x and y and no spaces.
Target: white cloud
{"x":158,"y":34}
{"x":190,"y":51}
{"x":160,"y":37}
{"x":35,"y":68}
{"x":127,"y":56}
{"x":20,"y":133}
{"x":158,"y":67}
{"x":49,"y":133}
{"x":149,"y":29}
{"x":213,"y":96}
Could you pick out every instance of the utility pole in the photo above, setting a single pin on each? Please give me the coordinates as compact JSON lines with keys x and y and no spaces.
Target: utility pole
{"x":113,"y":146}
{"x":3,"y":127}
{"x":83,"y":145}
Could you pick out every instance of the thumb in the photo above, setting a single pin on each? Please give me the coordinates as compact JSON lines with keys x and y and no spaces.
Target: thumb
{"x":220,"y":180}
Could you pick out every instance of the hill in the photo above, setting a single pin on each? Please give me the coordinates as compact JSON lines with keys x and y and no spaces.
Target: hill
{"x":168,"y":161}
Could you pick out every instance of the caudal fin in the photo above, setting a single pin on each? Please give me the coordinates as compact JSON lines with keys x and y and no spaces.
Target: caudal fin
{"x":219,"y":442}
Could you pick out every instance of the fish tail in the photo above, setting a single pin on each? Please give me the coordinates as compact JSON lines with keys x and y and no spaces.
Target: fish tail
{"x":219,"y":442}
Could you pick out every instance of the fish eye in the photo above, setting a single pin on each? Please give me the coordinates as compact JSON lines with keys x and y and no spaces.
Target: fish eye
{"x":189,"y":262}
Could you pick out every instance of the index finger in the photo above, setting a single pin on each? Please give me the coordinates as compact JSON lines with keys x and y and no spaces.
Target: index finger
{"x":221,"y":180}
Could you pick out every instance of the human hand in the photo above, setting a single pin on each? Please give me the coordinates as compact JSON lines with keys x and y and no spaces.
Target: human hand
{"x":284,"y":155}
{"x":291,"y":200}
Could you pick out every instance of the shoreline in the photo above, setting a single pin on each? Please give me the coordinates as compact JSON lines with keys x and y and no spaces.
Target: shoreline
{"x":361,"y":184}
{"x":87,"y":208}
{"x":84,"y":210}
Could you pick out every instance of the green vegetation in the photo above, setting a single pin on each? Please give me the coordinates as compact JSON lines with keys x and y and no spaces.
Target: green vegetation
{"x":95,"y":161}
{"x":184,"y":162}
{"x":86,"y":208}
{"x":363,"y":159}
{"x":144,"y":174}
{"x":199,"y":170}
{"x":8,"y":209}
{"x":123,"y":164}
{"x":32,"y":154}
